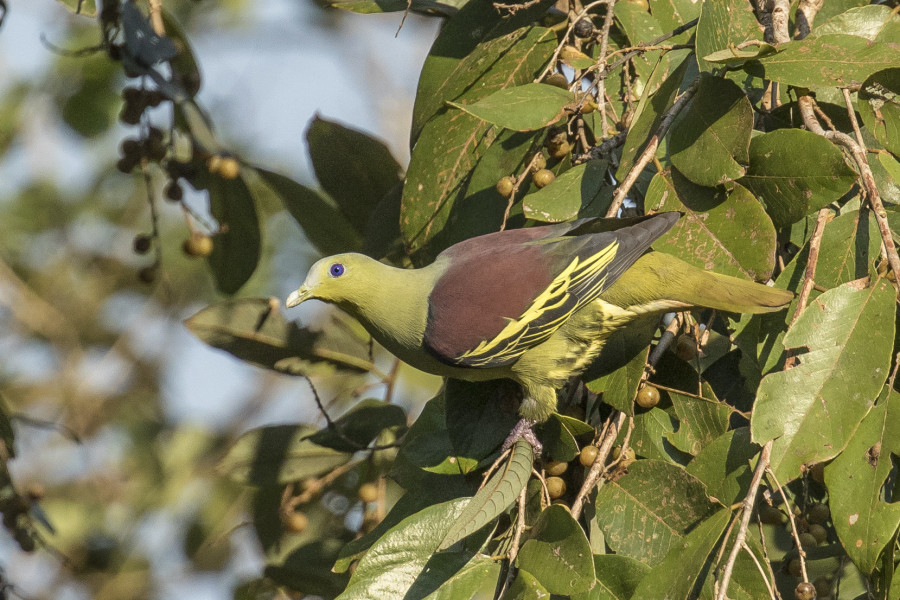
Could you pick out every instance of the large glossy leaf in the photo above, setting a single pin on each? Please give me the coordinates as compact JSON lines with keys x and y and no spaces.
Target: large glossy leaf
{"x":829,"y":60}
{"x":724,"y":465}
{"x":497,"y":495}
{"x":476,"y":580}
{"x":328,"y":230}
{"x":620,"y":387}
{"x":794,"y":173}
{"x":699,"y":421}
{"x":652,"y":107}
{"x":277,"y":455}
{"x":640,"y":27}
{"x":433,"y":213}
{"x":650,"y":436}
{"x":674,"y":13}
{"x":723,"y":230}
{"x":710,"y":141}
{"x":617,"y":578}
{"x":813,"y":409}
{"x":863,"y":21}
{"x":863,"y":518}
{"x":879,"y":107}
{"x":647,"y":512}
{"x":676,"y":576}
{"x":561,"y":436}
{"x":355,"y":169}
{"x":464,"y":55}
{"x":252,"y":330}
{"x":237,"y":245}
{"x":557,"y":553}
{"x":403,"y":563}
{"x":582,"y":191}
{"x":521,"y":108}
{"x":359,"y":427}
{"x":724,"y":24}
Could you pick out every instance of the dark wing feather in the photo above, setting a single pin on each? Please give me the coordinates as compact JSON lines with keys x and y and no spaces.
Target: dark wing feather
{"x":506,"y":292}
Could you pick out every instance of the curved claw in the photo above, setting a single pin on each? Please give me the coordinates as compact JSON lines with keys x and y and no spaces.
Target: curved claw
{"x":524,"y":429}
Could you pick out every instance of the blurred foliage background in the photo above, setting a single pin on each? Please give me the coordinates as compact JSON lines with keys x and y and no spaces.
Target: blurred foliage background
{"x":115,"y":417}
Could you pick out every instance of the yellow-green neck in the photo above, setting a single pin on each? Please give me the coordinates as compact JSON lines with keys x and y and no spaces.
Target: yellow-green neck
{"x":394,"y":308}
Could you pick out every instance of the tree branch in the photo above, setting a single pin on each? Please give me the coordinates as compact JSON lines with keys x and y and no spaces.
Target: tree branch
{"x":650,"y":150}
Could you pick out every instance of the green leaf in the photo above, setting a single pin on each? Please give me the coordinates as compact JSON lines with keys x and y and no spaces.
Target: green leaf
{"x":650,"y":110}
{"x":863,"y":21}
{"x":525,"y":587}
{"x":879,"y":107}
{"x":359,"y":426}
{"x":794,"y":173}
{"x":87,"y":8}
{"x":620,"y":387}
{"x":328,"y":230}
{"x":355,"y":169}
{"x":428,"y":446}
{"x":560,"y":435}
{"x":726,"y":231}
{"x":477,"y":579}
{"x":699,"y":422}
{"x":451,"y":144}
{"x":403,"y":563}
{"x":647,"y":512}
{"x":477,"y":418}
{"x":521,"y":108}
{"x":250,"y":329}
{"x":830,"y":60}
{"x":641,"y":27}
{"x":185,"y":69}
{"x":723,"y":25}
{"x":7,"y":434}
{"x":811,"y":410}
{"x":677,"y":574}
{"x":237,"y":245}
{"x":426,"y":7}
{"x":617,"y":578}
{"x":582,"y":191}
{"x":477,"y":37}
{"x":277,"y":455}
{"x":495,"y":497}
{"x":710,"y":141}
{"x":650,"y":436}
{"x":724,"y":465}
{"x":672,"y":14}
{"x":557,"y":553}
{"x":856,"y":480}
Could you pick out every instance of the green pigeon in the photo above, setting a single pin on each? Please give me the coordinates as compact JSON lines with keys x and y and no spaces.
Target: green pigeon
{"x":536,"y":305}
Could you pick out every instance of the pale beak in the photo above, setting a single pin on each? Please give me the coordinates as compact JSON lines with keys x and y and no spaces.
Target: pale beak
{"x":297,"y":296}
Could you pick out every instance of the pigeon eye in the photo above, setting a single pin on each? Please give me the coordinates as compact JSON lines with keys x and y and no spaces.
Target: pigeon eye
{"x":336,"y":270}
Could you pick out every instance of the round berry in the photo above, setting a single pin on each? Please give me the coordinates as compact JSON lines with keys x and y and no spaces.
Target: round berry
{"x":505,"y":186}
{"x":198,"y":245}
{"x":556,"y":468}
{"x":543,"y":178}
{"x":818,"y":513}
{"x":588,"y":455}
{"x":368,"y":492}
{"x":142,"y":243}
{"x":556,"y":487}
{"x":295,"y":522}
{"x":584,"y":28}
{"x":647,"y":397}
{"x":805,"y":591}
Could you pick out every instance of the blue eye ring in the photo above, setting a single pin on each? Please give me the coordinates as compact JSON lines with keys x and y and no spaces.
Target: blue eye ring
{"x":336,"y":270}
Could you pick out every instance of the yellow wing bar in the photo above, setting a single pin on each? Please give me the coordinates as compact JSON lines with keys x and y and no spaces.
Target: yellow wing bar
{"x":577,"y":285}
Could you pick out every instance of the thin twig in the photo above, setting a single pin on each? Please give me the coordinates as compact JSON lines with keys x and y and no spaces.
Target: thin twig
{"x":604,"y":443}
{"x":647,"y":155}
{"x":806,"y":14}
{"x":156,"y":17}
{"x":553,"y":59}
{"x":514,"y":544}
{"x":848,"y":101}
{"x":806,"y":105}
{"x":747,"y":506}
{"x":519,"y":180}
{"x":794,"y":532}
{"x":765,"y":578}
{"x":601,"y":76}
{"x":765,"y":550}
